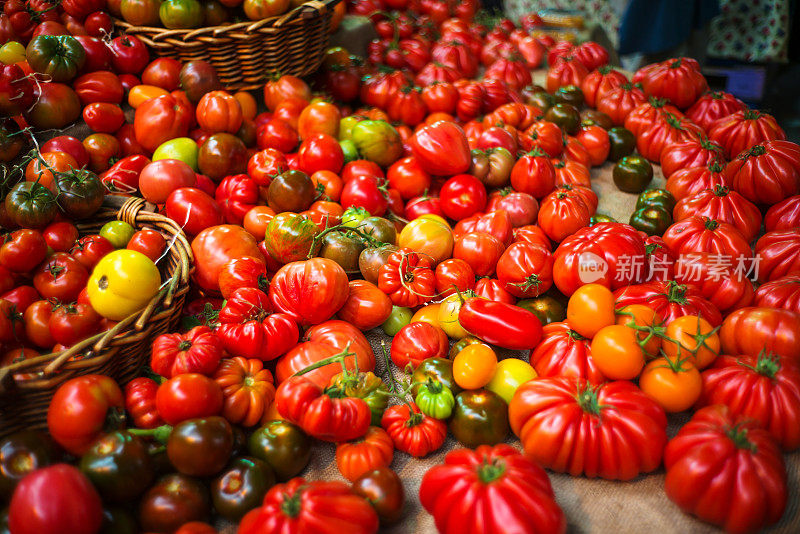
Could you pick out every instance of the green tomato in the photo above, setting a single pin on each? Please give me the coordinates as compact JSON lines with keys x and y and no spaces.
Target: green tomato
{"x":511,"y":373}
{"x":346,"y":127}
{"x":435,"y":400}
{"x":546,"y":308}
{"x":656,"y":198}
{"x":399,"y":317}
{"x":632,"y":174}
{"x":349,"y":149}
{"x":181,"y":14}
{"x":480,"y":417}
{"x":118,"y":233}
{"x":378,"y":141}
{"x":652,"y":220}
{"x":354,"y":216}
{"x":180,"y":148}
{"x":12,"y":52}
{"x":622,"y":143}
{"x":599,"y":218}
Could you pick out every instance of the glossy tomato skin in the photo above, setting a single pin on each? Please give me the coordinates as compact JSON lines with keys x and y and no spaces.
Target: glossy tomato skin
{"x":310,"y":291}
{"x":591,"y":425}
{"x":766,"y":173}
{"x":216,"y":245}
{"x":588,"y":248}
{"x":413,"y":432}
{"x":724,"y":205}
{"x":461,"y":196}
{"x":775,"y":405}
{"x":140,"y":402}
{"x":751,"y":330}
{"x":782,"y":292}
{"x":776,"y":254}
{"x":324,"y":340}
{"x":784,"y":215}
{"x":79,"y":409}
{"x":520,"y":497}
{"x":740,"y":131}
{"x":416,"y":342}
{"x":430,"y":144}
{"x":669,"y":300}
{"x":187,"y":396}
{"x":708,"y":461}
{"x":58,"y":498}
{"x":564,"y":352}
{"x":324,"y":507}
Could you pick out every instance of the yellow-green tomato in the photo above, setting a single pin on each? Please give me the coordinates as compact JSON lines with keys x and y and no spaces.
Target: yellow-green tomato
{"x":428,"y":234}
{"x":510,"y":374}
{"x":181,"y":148}
{"x":346,"y":127}
{"x":397,"y":319}
{"x":118,"y":233}
{"x":122,"y":283}
{"x":448,"y":317}
{"x":12,"y":52}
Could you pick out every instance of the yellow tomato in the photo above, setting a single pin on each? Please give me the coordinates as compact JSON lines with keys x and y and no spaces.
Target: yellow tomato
{"x":427,"y":314}
{"x":475,"y":366}
{"x":122,"y":283}
{"x":696,"y":338}
{"x":676,"y":386}
{"x":429,"y":234}
{"x":616,"y":352}
{"x":448,"y":317}
{"x":140,"y":94}
{"x":511,"y":373}
{"x":247,"y":103}
{"x":12,"y":52}
{"x":590,"y":308}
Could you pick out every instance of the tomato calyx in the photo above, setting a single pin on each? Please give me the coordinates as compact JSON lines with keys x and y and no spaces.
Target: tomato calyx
{"x":711,"y":224}
{"x":574,"y":335}
{"x":739,"y":437}
{"x":757,"y":150}
{"x":588,"y":401}
{"x":489,"y":472}
{"x":767,"y":364}
{"x":532,"y":281}
{"x":750,"y":115}
{"x":677,"y":292}
{"x":291,"y":504}
{"x":721,"y":190}
{"x":159,"y":433}
{"x":536,"y":152}
{"x":715,"y":167}
{"x":676,"y":63}
{"x":658,"y":102}
{"x":673,"y":121}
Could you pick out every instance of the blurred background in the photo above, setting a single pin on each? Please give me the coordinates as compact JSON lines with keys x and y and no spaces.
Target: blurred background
{"x":746,"y":47}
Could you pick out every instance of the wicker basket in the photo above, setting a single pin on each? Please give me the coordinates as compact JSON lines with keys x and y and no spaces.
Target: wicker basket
{"x":26,"y":387}
{"x":245,"y":54}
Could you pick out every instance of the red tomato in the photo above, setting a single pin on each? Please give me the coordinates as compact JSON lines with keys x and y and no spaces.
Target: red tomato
{"x":140,"y":402}
{"x":149,"y":242}
{"x":782,"y":292}
{"x":216,"y":245}
{"x":163,"y":72}
{"x":493,"y":289}
{"x":784,"y":215}
{"x":103,"y":117}
{"x":718,"y":457}
{"x":418,"y":341}
{"x":90,"y":249}
{"x":526,"y":270}
{"x":701,"y":234}
{"x":722,"y":204}
{"x":462,"y":196}
{"x":193,"y":209}
{"x":564,"y":352}
{"x":364,"y":192}
{"x":61,"y":277}
{"x":534,"y":174}
{"x":79,"y":411}
{"x":23,"y":250}
{"x":56,"y":498}
{"x":99,"y":86}
{"x":562,"y":213}
{"x":60,"y":236}
{"x":160,"y":178}
{"x":767,"y":173}
{"x":309,"y":291}
{"x":408,"y":177}
{"x":320,"y":152}
{"x":595,"y":140}
{"x":677,"y":80}
{"x":751,"y":331}
{"x":712,"y":106}
{"x":742,"y":130}
{"x":480,"y":250}
{"x":522,"y":208}
{"x":691,"y":152}
{"x":187,"y":396}
{"x":71,"y":323}
{"x":431,"y":143}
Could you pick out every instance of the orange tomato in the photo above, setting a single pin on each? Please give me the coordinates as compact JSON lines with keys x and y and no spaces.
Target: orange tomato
{"x":328,"y":183}
{"x":695,"y":338}
{"x":319,"y":117}
{"x":428,"y":314}
{"x":616,"y":352}
{"x":675,"y":385}
{"x":327,"y":212}
{"x":642,"y":316}
{"x":284,"y":88}
{"x":53,"y":161}
{"x":247,"y":103}
{"x":374,"y":450}
{"x":140,"y":94}
{"x":219,"y":111}
{"x":474,"y":366}
{"x":256,"y":221}
{"x":590,"y":309}
{"x":436,"y":117}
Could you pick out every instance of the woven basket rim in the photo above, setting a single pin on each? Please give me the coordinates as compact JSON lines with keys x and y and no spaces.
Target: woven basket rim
{"x":166,"y":301}
{"x":308,"y":10}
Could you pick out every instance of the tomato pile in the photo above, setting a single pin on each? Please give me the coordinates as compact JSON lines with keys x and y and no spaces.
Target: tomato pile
{"x":433,"y":192}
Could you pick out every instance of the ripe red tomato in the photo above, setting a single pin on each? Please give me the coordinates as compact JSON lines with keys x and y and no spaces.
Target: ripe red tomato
{"x":187,"y":396}
{"x":71,"y":323}
{"x":430,"y":143}
{"x":461,"y":196}
{"x":526,"y":270}
{"x":480,"y":250}
{"x":751,"y":331}
{"x":160,"y":178}
{"x":23,"y":250}
{"x":90,"y":249}
{"x":364,"y":192}
{"x":766,"y":173}
{"x":103,"y":117}
{"x":56,"y":498}
{"x":320,"y":152}
{"x":60,"y":236}
{"x":534,"y":174}
{"x":742,"y":130}
{"x":61,"y":277}
{"x":80,"y":409}
{"x":149,"y":242}
{"x":215,"y":246}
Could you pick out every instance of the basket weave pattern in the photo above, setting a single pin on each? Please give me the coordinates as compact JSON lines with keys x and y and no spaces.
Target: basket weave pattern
{"x":245,"y":54}
{"x":27,"y":387}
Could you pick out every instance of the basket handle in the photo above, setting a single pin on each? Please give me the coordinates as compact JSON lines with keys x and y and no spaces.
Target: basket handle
{"x":300,"y":10}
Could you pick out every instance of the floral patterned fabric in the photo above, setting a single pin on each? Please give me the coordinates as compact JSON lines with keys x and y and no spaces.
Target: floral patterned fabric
{"x":751,"y":30}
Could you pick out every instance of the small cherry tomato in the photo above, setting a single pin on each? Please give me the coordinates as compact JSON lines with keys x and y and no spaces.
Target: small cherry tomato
{"x":590,"y":309}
